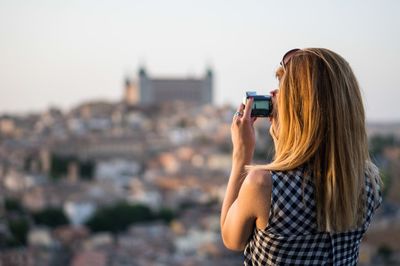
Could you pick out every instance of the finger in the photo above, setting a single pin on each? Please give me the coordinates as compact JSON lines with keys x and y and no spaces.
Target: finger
{"x":247,"y":108}
{"x":239,"y":112}
{"x":240,"y":108}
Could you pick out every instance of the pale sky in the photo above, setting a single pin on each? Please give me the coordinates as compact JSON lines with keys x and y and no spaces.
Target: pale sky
{"x":60,"y":53}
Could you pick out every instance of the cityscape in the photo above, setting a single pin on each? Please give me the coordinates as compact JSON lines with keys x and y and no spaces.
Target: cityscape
{"x":115,"y":121}
{"x":140,"y":181}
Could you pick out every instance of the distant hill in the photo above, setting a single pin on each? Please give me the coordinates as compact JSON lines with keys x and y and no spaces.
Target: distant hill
{"x":383,"y":128}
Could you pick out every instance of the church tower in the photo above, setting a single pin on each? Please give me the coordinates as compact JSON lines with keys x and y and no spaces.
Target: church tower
{"x":131,"y":95}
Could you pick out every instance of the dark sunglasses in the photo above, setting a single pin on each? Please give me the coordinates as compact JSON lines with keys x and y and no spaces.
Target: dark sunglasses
{"x":286,"y":58}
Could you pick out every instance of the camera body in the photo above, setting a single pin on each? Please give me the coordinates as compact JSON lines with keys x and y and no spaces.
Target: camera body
{"x":262,"y":104}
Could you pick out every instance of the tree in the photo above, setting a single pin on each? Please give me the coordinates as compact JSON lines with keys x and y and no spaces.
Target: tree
{"x":86,"y":169}
{"x":385,"y":252}
{"x":59,"y":166}
{"x":12,"y":205}
{"x":118,"y":217}
{"x":378,"y":143}
{"x":51,"y":217}
{"x":166,"y":215}
{"x":19,"y":229}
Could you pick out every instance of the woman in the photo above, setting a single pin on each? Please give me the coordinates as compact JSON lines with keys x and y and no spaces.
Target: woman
{"x":313,"y":203}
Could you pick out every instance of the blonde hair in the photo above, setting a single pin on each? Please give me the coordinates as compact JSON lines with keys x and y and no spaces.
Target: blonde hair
{"x":321,"y":124}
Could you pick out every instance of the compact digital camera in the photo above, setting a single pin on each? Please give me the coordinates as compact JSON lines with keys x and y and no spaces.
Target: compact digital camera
{"x":262,"y":104}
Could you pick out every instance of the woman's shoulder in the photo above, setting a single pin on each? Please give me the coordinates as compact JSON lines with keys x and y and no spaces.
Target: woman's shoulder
{"x":259,"y":177}
{"x":276,"y":180}
{"x":297,"y":173}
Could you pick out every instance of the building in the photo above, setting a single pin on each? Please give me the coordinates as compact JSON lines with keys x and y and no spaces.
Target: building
{"x":151,"y":90}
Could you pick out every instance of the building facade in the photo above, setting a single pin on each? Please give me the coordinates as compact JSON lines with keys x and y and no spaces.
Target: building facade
{"x":152,"y":91}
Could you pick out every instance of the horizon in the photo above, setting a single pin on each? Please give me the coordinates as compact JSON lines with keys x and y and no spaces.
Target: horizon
{"x":23,"y":113}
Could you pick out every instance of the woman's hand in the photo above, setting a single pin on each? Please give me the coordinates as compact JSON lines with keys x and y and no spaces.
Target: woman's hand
{"x":243,"y":135}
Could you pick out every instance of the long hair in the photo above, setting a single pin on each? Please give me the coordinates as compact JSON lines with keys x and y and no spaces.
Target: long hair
{"x":321,"y":124}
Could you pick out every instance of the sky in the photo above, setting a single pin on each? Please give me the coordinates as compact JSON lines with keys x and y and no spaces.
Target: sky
{"x":61,"y":53}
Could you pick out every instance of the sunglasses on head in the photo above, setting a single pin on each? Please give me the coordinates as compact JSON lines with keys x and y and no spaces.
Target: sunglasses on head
{"x":286,"y":58}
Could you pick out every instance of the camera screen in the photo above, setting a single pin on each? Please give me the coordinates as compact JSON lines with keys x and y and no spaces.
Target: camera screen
{"x":261,"y":104}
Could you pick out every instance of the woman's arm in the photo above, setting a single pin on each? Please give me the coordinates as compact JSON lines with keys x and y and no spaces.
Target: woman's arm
{"x":237,"y":214}
{"x":250,"y":208}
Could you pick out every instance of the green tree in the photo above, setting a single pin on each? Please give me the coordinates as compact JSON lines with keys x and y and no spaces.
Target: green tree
{"x":86,"y":169}
{"x":59,"y":165}
{"x":51,"y":217}
{"x":166,"y":215}
{"x":385,"y":252}
{"x":378,"y":143}
{"x":19,"y":228}
{"x":118,"y":217}
{"x":12,"y":205}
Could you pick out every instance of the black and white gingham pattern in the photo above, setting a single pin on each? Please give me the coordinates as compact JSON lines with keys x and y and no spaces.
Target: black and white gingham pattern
{"x":291,"y":237}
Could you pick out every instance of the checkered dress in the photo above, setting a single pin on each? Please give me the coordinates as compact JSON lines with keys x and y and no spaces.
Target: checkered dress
{"x":291,"y":237}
